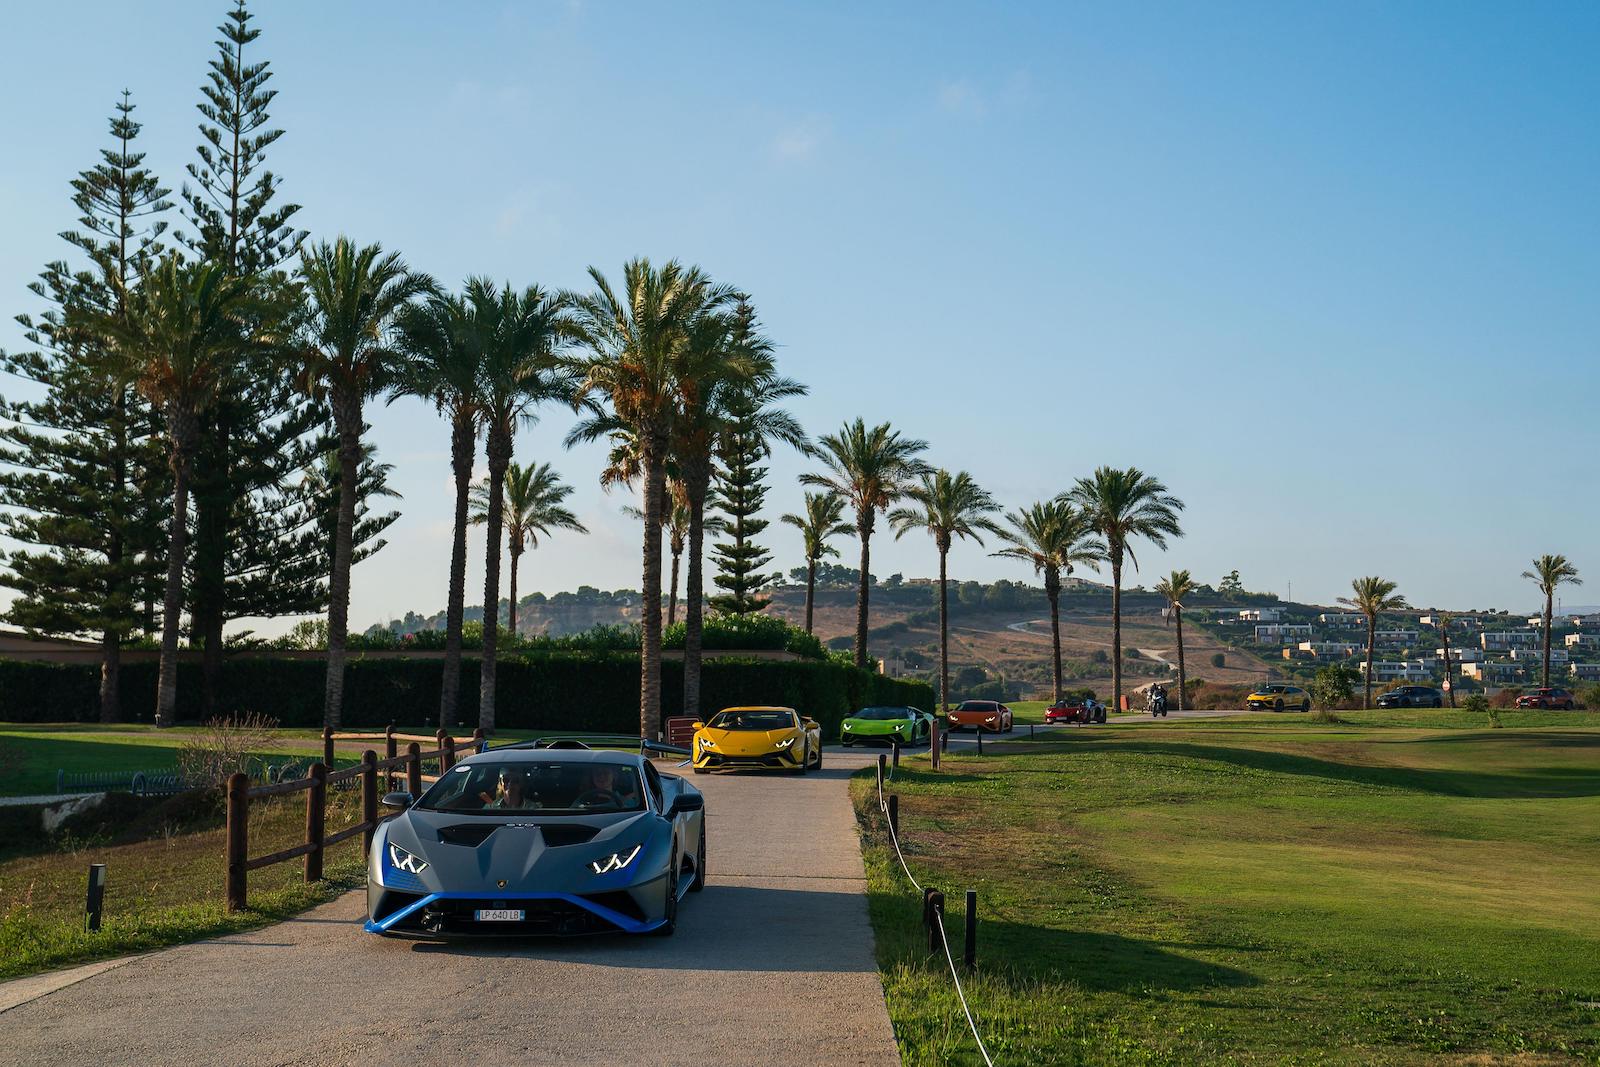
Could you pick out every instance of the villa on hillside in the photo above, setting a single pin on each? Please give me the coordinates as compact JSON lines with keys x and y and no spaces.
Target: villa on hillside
{"x":1585,"y":672}
{"x":1494,"y":672}
{"x":1282,"y":633}
{"x":1411,"y":670}
{"x":1461,"y":655}
{"x":1583,"y":641}
{"x":1506,"y":640}
{"x":1260,"y":614}
{"x":1536,"y":655}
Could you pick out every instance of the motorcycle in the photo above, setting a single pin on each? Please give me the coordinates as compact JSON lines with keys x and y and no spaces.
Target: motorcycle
{"x":1156,"y":704}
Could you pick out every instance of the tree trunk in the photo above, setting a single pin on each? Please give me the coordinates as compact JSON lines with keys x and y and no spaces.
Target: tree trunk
{"x":1549,"y":607}
{"x":1116,"y":629}
{"x":110,"y":676}
{"x":499,"y":453}
{"x":864,"y":531}
{"x":1183,"y":675}
{"x":1052,"y":590}
{"x":694,"y":599}
{"x":1449,"y":684}
{"x":208,"y":613}
{"x":672,"y":596}
{"x":511,"y":612}
{"x":347,"y":420}
{"x":182,"y":430}
{"x":811,"y":588}
{"x":1372,"y":636}
{"x":944,"y":630}
{"x":655,"y":480}
{"x":463,"y":446}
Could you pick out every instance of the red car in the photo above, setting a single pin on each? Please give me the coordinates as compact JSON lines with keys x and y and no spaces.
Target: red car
{"x":1075,"y":709}
{"x":1553,"y":697}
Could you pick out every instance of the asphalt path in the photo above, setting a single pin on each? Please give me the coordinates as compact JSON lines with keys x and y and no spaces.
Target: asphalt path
{"x":772,"y":964}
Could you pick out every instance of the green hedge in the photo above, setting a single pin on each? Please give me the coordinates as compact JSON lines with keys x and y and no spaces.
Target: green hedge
{"x":549,"y":692}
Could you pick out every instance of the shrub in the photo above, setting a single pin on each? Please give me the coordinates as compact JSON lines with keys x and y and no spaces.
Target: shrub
{"x":1591,"y":698}
{"x":1100,"y":655}
{"x":1476,"y":703}
{"x":1219,"y":659}
{"x":222,"y":748}
{"x":1334,"y":685}
{"x":1506,"y":698}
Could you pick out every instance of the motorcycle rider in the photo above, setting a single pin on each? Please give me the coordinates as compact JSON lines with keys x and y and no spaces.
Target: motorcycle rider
{"x":1158,"y":699}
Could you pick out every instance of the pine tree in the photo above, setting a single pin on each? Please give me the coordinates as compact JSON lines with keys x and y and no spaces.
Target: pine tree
{"x":84,"y":476}
{"x":257,"y":549}
{"x":740,"y":493}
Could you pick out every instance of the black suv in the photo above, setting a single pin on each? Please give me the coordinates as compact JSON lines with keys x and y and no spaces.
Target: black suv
{"x":1412,"y":696}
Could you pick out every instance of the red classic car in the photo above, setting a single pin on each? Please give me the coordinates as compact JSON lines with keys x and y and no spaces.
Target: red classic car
{"x":1075,"y":709}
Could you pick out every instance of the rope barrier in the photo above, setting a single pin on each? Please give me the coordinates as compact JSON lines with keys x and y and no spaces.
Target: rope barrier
{"x":938,"y":921}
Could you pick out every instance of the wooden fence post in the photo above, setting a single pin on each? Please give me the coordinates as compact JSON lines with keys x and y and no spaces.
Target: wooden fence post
{"x":369,"y":798}
{"x":327,"y":746}
{"x":414,"y":770}
{"x":238,"y":840}
{"x":969,"y":954}
{"x":390,"y":750}
{"x":935,"y":739}
{"x":935,"y":919}
{"x":882,"y":759}
{"x":448,"y":760}
{"x":438,"y":743}
{"x":316,"y":810}
{"x":896,"y":755}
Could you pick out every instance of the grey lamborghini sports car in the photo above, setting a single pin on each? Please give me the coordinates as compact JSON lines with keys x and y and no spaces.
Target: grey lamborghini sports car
{"x":538,"y":841}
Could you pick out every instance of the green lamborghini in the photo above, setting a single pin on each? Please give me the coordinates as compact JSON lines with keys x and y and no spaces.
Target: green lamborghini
{"x":888,"y":726}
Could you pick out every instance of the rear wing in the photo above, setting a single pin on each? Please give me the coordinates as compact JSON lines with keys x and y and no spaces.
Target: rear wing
{"x":644,"y":746}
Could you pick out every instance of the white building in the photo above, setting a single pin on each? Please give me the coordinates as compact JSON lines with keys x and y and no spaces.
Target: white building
{"x":1493,"y":672}
{"x":1411,"y":670}
{"x":1583,"y":641}
{"x":1282,"y":634}
{"x":1401,"y":638}
{"x":1461,"y":655}
{"x":1260,"y":614}
{"x":1585,"y":672}
{"x":1335,"y":618}
{"x":1506,"y":640}
{"x":1536,"y":655}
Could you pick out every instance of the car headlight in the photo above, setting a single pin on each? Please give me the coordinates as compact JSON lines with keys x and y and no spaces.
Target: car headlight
{"x":401,"y":860}
{"x":785,"y":743}
{"x":616,"y":861}
{"x":706,"y":742}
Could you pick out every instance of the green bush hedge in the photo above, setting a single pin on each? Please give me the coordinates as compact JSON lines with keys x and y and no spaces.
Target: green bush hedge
{"x":595,"y":691}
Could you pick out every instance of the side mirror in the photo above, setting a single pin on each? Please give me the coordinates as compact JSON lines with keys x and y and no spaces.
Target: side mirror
{"x":686,"y":802}
{"x":809,"y":722}
{"x":698,"y":726}
{"x":398,"y":801}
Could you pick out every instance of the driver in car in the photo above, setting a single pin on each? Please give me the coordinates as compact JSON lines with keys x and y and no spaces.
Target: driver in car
{"x":604,"y":788}
{"x":509,"y":794}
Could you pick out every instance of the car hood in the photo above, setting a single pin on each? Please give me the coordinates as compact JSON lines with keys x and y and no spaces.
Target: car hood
{"x":748,"y":742}
{"x":465,"y":852}
{"x":867,"y":726}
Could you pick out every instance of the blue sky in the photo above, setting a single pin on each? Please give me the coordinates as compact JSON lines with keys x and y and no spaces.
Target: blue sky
{"x":1327,"y":270}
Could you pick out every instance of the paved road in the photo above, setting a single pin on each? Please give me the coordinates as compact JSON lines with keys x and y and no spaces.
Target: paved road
{"x":773,"y":964}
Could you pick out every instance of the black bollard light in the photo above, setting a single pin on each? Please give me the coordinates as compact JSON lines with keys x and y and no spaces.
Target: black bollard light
{"x":97,"y":896}
{"x":969,"y":955}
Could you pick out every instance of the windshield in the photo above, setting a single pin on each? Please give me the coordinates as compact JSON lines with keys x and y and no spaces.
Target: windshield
{"x":882,"y":714}
{"x":751,"y":720}
{"x":564,"y":788}
{"x":977,"y":705}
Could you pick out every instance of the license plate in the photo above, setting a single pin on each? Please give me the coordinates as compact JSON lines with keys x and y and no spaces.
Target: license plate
{"x":499,"y":915}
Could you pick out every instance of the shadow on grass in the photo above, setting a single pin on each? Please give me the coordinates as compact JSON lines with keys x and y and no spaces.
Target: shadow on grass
{"x":1096,"y":961}
{"x":1549,"y":782}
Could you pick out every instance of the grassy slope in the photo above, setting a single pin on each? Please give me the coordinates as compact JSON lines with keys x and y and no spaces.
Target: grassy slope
{"x":1261,"y":891}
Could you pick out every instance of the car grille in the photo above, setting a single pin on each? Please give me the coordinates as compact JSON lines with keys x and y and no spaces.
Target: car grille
{"x":559,"y":917}
{"x":771,"y":759}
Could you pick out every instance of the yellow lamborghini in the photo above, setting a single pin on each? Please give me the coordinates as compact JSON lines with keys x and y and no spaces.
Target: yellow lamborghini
{"x":757,"y":737}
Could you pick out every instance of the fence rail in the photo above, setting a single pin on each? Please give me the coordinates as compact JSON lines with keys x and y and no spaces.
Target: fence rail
{"x":319,"y":778}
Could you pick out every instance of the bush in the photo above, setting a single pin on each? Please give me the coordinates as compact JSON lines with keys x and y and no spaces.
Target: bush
{"x":1335,"y":685}
{"x":223,"y":748}
{"x":49,"y":692}
{"x":1591,"y":698}
{"x":1506,"y":698}
{"x":1219,"y":659}
{"x":1476,"y":703}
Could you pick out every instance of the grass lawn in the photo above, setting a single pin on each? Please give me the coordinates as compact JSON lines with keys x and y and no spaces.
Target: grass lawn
{"x":1405,"y":888}
{"x":164,"y":875}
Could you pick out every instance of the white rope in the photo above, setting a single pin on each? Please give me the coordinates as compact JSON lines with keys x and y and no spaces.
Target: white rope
{"x":938,"y":921}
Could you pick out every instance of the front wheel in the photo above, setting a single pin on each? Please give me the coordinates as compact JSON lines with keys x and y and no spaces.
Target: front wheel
{"x":805,"y":763}
{"x":1438,"y":703}
{"x":669,"y":924}
{"x":1305,"y":706}
{"x":700,"y":862}
{"x":817,"y":766}
{"x":1277,"y":706}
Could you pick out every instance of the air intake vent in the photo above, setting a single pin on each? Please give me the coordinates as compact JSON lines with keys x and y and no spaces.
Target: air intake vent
{"x":469,"y":834}
{"x":555,"y":834}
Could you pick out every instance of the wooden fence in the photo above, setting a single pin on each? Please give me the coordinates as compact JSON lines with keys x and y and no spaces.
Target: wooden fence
{"x":315,"y":785}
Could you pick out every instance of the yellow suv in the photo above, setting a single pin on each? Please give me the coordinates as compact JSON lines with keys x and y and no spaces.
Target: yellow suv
{"x":1277,"y":697}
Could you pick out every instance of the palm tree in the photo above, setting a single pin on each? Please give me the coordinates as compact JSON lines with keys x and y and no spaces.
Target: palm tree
{"x":823,"y":519}
{"x":628,"y":380}
{"x":520,"y":334}
{"x":351,"y":299}
{"x":533,"y":507}
{"x":871,"y":468}
{"x":1443,"y":620}
{"x":948,"y":506}
{"x":1549,"y":573}
{"x":1122,"y":505}
{"x":1054,"y":537}
{"x":1176,"y":588}
{"x":443,"y":356}
{"x":1372,"y":596}
{"x":179,"y":338}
